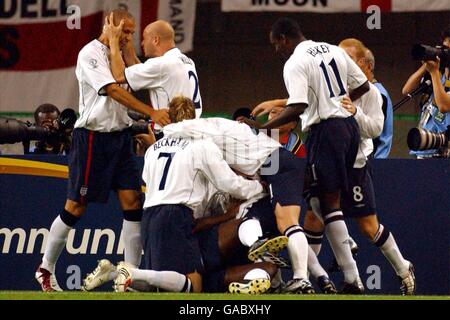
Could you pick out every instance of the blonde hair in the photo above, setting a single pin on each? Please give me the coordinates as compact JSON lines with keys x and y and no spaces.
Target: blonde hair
{"x":181,"y":108}
{"x":355,"y":43}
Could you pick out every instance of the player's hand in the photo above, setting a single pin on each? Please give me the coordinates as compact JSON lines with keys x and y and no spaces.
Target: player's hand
{"x":203,"y":224}
{"x":433,"y":66}
{"x":264,"y":108}
{"x":348,"y":105}
{"x":252,"y":123}
{"x":161,"y":117}
{"x":110,"y":30}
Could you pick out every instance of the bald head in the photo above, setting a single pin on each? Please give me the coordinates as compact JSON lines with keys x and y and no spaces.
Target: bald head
{"x":158,"y":38}
{"x":162,"y":29}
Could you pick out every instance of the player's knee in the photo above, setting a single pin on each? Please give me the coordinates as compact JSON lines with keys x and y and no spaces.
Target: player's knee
{"x":312,"y":223}
{"x":368,"y":227}
{"x":75,"y":208}
{"x":130,"y":200}
{"x":330,"y":202}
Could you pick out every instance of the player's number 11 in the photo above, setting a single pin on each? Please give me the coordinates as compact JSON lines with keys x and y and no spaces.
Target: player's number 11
{"x":333,"y":66}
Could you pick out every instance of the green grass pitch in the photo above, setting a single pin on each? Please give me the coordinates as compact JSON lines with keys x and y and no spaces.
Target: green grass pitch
{"x":77,"y":295}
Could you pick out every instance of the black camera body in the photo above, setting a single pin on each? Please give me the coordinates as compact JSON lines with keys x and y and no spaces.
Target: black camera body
{"x":427,"y":53}
{"x":13,"y":130}
{"x":421,"y":139}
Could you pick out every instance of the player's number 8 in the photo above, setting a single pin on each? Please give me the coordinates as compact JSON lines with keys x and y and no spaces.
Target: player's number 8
{"x":357,"y":194}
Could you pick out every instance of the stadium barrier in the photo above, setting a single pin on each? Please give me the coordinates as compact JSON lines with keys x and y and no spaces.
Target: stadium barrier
{"x":413,"y":201}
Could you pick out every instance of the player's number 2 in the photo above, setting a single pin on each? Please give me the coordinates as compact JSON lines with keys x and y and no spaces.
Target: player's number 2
{"x":169,"y":156}
{"x":195,"y":98}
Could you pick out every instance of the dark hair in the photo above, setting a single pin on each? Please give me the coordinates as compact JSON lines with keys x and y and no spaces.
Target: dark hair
{"x":45,"y":108}
{"x":242,"y":112}
{"x":287,"y":27}
{"x":445,"y":33}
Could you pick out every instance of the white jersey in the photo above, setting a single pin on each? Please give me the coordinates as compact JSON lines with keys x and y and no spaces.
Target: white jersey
{"x":318,"y":74}
{"x":370,"y":118}
{"x":245,"y":149}
{"x":177,"y":171}
{"x":98,"y":112}
{"x":166,"y":77}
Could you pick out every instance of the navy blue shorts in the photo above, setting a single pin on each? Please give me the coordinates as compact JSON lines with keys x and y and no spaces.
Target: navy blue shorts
{"x":331,"y":149}
{"x":359,"y":200}
{"x":168,"y":241}
{"x":100,"y":162}
{"x":213,"y":276}
{"x":286,"y":184}
{"x":263,"y":211}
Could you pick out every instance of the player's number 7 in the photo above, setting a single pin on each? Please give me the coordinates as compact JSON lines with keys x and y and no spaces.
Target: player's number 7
{"x":169,"y":156}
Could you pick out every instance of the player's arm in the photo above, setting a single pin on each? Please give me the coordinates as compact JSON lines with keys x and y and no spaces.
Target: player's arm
{"x":126,"y":99}
{"x":414,"y":80}
{"x":360,"y":91}
{"x":370,"y":119}
{"x":209,"y":160}
{"x":267,"y":106}
{"x":113,"y":33}
{"x":290,"y":113}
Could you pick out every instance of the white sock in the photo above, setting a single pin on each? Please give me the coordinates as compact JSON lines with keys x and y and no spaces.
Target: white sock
{"x":249,"y":232}
{"x":337,"y":234}
{"x":56,"y":242}
{"x":298,"y":251}
{"x":132,"y":242}
{"x":391,"y":251}
{"x":112,"y":275}
{"x":167,"y":280}
{"x":316,"y":247}
{"x":314,"y":240}
{"x":314,"y":267}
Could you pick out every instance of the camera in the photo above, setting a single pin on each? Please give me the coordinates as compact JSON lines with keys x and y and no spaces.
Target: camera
{"x":421,"y":139}
{"x":426,"y":53}
{"x":13,"y":131}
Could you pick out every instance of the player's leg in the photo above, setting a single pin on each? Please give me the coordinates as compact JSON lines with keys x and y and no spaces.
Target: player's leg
{"x":172,"y":256}
{"x":383,"y":239}
{"x":286,"y":195}
{"x":84,"y":173}
{"x":170,"y":281}
{"x":332,"y":149}
{"x":57,"y":239}
{"x":313,"y":227}
{"x":131,"y":226}
{"x":126,"y":181}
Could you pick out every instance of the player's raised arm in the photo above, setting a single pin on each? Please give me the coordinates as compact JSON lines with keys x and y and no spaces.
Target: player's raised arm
{"x":114,"y":34}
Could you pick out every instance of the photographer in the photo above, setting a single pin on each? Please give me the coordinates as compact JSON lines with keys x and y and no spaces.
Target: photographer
{"x":435,"y":116}
{"x":46,"y":115}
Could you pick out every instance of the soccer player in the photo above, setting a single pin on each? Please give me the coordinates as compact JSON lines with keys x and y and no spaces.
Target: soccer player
{"x":101,"y":156}
{"x":177,"y":172}
{"x":359,"y":201}
{"x":166,"y":74}
{"x":250,"y":151}
{"x":317,"y":76}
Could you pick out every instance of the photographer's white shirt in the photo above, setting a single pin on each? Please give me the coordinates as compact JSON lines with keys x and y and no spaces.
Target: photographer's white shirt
{"x":318,"y":74}
{"x":179,"y":171}
{"x":98,"y":112}
{"x":166,"y":77}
